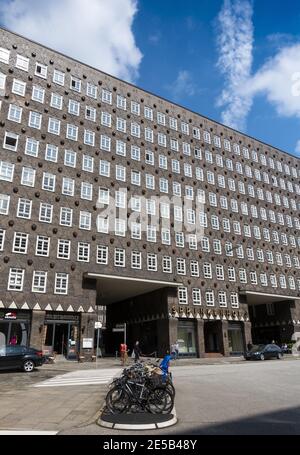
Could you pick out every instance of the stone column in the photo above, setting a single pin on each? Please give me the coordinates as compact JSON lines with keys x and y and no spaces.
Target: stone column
{"x":87,"y":330}
{"x":166,"y":331}
{"x":200,"y":342}
{"x":173,"y":331}
{"x":37,"y":326}
{"x":247,"y":333}
{"x":224,"y":345}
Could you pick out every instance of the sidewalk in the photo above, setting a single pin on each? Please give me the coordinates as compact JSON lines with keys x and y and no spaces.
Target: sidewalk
{"x":111,"y":362}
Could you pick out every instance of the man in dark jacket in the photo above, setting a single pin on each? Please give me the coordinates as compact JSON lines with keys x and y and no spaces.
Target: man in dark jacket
{"x":137,"y":351}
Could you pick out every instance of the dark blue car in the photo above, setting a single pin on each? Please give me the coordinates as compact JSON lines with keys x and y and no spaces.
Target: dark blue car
{"x":20,"y":357}
{"x":264,"y":352}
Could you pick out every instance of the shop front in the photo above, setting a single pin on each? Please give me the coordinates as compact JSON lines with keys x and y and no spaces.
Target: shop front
{"x":187,"y":339}
{"x":61,"y":335}
{"x":236,"y":338}
{"x":15,"y":327}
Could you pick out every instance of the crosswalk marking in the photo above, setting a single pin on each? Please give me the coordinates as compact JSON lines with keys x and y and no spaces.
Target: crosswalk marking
{"x":83,"y":377}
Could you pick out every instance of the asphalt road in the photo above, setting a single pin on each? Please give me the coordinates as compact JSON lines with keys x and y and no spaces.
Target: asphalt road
{"x":238,"y":398}
{"x":250,"y":398}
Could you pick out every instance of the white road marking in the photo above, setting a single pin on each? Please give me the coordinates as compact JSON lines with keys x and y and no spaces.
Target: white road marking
{"x":83,"y":377}
{"x":27,"y":432}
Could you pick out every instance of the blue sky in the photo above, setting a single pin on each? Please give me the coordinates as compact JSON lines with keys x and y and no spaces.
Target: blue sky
{"x":198,"y":53}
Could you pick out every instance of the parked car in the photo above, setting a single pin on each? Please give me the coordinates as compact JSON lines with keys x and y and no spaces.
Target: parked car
{"x":20,"y":357}
{"x":263,"y":352}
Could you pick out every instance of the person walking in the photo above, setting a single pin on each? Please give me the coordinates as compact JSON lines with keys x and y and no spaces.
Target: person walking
{"x":173,"y":350}
{"x":123,"y":353}
{"x":177,"y":350}
{"x":136,"y":351}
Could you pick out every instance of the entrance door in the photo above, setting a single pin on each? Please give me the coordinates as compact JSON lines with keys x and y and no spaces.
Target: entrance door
{"x":60,"y":344}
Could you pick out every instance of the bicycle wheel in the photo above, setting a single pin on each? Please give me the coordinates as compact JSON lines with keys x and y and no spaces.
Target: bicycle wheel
{"x":117,"y":400}
{"x":160,"y":401}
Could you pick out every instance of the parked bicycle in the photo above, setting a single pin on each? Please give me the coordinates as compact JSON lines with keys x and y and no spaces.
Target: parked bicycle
{"x":141,"y":387}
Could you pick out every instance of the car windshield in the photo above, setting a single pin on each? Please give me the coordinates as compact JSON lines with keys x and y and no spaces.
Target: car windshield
{"x":257,"y":348}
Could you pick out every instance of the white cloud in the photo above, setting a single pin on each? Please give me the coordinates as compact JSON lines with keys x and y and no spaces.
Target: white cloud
{"x":279,"y":80}
{"x":96,"y":32}
{"x":235,"y":46}
{"x":183,"y":85}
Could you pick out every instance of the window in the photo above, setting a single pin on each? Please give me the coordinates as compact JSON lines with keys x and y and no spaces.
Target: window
{"x":22,"y":63}
{"x":20,"y":243}
{"x":15,"y":279}
{"x":102,"y":255}
{"x":32,"y":147}
{"x":207,"y":271}
{"x":136,"y":178}
{"x":48,"y":182}
{"x":41,"y":70}
{"x":136,"y":260}
{"x":194,"y":265}
{"x":61,"y":283}
{"x":148,"y":135}
{"x":2,"y":238}
{"x":85,"y":220}
{"x":6,"y":171}
{"x":35,"y":120}
{"x":121,"y":125}
{"x":148,"y":113}
{"x":135,"y":153}
{"x":167,"y":264}
{"x":91,"y":91}
{"x":70,"y":158}
{"x":151,"y":233}
{"x":234,"y":300}
{"x":39,"y":281}
{"x":38,"y":94}
{"x":222,"y":297}
{"x":89,"y":138}
{"x":209,"y":298}
{"x":135,"y":108}
{"x":231,"y":273}
{"x":10,"y":141}
{"x":42,"y":246}
{"x":105,"y":143}
{"x":90,"y":113}
{"x":103,"y":196}
{"x":119,"y":257}
{"x":152,"y":262}
{"x":51,"y":153}
{"x":182,"y":296}
{"x":220,"y":272}
{"x":163,"y":185}
{"x":87,"y":163}
{"x":14,"y":113}
{"x":149,"y":157}
{"x":68,"y":186}
{"x":63,"y":249}
{"x":86,"y":191}
{"x":74,"y":107}
{"x":106,"y":96}
{"x":24,"y":208}
{"x":45,"y":214}
{"x":120,"y":227}
{"x":54,"y":126}
{"x":66,"y":215}
{"x":4,"y":55}
{"x":75,"y":84}
{"x":120,"y":148}
{"x":72,"y":132}
{"x":58,"y":77}
{"x":196,"y":295}
{"x":104,"y":168}
{"x":165,"y":237}
{"x":136,"y":231}
{"x":120,"y":173}
{"x":121,"y":102}
{"x":28,"y":176}
{"x":18,"y":87}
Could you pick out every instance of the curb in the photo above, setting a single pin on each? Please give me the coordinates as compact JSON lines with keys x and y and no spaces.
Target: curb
{"x":150,"y":426}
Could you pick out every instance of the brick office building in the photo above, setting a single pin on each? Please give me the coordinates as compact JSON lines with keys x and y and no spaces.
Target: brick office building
{"x":117,"y":203}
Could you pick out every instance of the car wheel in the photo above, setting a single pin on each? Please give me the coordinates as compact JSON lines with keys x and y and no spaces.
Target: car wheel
{"x":28,"y":366}
{"x":262,"y":357}
{"x":279,"y":356}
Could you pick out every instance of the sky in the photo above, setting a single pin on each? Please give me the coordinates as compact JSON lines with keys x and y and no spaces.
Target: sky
{"x":234,"y":61}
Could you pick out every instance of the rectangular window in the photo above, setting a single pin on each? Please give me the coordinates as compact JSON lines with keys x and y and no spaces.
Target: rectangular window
{"x":91,"y":90}
{"x":54,"y":126}
{"x":90,"y":113}
{"x":106,"y":96}
{"x":32,"y":147}
{"x":48,"y":182}
{"x":4,"y":55}
{"x":66,"y":216}
{"x":167,"y":264}
{"x":136,"y":260}
{"x":28,"y":176}
{"x":210,"y":298}
{"x":75,"y":84}
{"x":15,"y":279}
{"x":14,"y":113}
{"x":22,"y":63}
{"x":105,"y":143}
{"x":38,"y":94}
{"x":63,"y":249}
{"x":87,"y":163}
{"x":42,"y":246}
{"x":102,"y":255}
{"x":70,"y":158}
{"x":61,"y":283}
{"x":41,"y":70}
{"x":51,"y":153}
{"x":20,"y":243}
{"x":59,"y":77}
{"x":119,"y":257}
{"x":89,"y":138}
{"x":72,"y":132}
{"x":56,"y":101}
{"x":2,"y":238}
{"x":6,"y":171}
{"x":10,"y":141}
{"x":24,"y":208}
{"x":85,"y":220}
{"x":46,"y":211}
{"x":182,"y":296}
{"x":152,"y":262}
{"x":35,"y":120}
{"x":39,"y":281}
{"x":18,"y":87}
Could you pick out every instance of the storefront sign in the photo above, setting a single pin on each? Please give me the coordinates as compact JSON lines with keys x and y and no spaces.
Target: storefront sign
{"x":98,"y":325}
{"x":10,"y":316}
{"x":88,"y":343}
